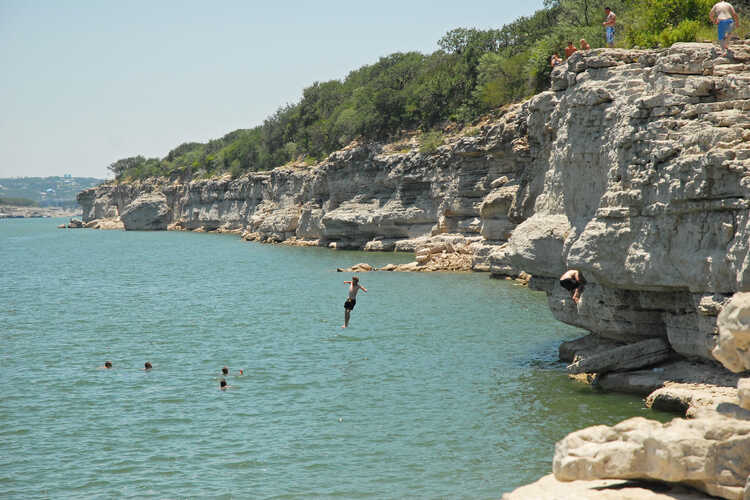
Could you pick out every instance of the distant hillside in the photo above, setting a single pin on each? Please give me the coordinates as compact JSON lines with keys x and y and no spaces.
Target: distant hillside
{"x":46,"y":191}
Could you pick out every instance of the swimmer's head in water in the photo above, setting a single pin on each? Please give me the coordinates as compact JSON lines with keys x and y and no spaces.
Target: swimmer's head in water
{"x":242,"y":372}
{"x":355,"y":280}
{"x":223,"y":383}
{"x":225,"y":370}
{"x":107,"y":364}
{"x":147,"y":366}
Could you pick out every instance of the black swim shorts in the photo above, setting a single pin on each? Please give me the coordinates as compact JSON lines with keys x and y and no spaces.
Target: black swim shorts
{"x":349,"y":304}
{"x":569,"y":284}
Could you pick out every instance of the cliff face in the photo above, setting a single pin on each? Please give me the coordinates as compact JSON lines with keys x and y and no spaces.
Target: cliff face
{"x":634,"y":169}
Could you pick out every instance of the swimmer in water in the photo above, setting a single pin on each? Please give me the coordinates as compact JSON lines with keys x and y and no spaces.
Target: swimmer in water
{"x":351,"y":301}
{"x":107,"y":366}
{"x":147,"y":366}
{"x":225,"y":370}
{"x":242,"y":372}
{"x":223,"y":385}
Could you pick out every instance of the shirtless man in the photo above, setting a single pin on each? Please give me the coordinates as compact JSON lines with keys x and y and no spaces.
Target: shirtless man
{"x":570,"y":50}
{"x":609,"y":26}
{"x":584,"y":44}
{"x":354,"y":287}
{"x":573,"y":282}
{"x":725,"y":18}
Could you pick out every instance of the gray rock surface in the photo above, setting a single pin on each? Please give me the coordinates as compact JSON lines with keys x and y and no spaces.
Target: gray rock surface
{"x":628,"y":357}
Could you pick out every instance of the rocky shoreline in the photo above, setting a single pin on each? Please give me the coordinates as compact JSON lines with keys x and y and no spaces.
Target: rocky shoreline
{"x":16,"y":212}
{"x":634,"y":169}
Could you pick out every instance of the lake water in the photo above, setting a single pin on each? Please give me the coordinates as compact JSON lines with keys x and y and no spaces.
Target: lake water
{"x":444,"y":386}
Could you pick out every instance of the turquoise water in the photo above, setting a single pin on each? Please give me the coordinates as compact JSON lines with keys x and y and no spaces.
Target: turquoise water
{"x":445,"y":386}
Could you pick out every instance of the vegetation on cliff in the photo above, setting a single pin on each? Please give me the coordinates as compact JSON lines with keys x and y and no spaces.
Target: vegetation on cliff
{"x":473,"y":72}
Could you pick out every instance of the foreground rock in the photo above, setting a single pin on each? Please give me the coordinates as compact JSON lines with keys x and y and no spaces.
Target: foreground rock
{"x":733,"y":347}
{"x":709,"y":453}
{"x":549,"y":488}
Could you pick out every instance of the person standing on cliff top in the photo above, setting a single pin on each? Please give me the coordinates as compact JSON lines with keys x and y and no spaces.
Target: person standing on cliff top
{"x":351,"y":301}
{"x":609,"y":26}
{"x":584,"y":44}
{"x":555,"y":60}
{"x":573,"y":282}
{"x":570,"y":50}
{"x":725,"y":18}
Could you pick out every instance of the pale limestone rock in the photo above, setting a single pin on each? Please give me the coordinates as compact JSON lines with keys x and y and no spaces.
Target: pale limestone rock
{"x":743,"y":393}
{"x":148,"y":211}
{"x":733,"y":348}
{"x":709,"y":453}
{"x":549,"y":488}
{"x":691,"y":399}
{"x":536,"y":245}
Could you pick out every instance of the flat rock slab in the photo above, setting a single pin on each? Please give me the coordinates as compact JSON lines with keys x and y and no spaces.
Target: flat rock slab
{"x":643,"y":382}
{"x":585,"y":347}
{"x":629,"y":357}
{"x":549,"y":488}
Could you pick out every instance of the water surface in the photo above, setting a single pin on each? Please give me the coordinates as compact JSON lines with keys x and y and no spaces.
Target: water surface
{"x":444,"y":386}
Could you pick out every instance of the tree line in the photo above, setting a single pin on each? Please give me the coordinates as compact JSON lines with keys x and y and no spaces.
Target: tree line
{"x":473,"y":72}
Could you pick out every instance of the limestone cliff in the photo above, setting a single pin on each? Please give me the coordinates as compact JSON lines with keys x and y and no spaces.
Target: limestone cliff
{"x":633,"y":168}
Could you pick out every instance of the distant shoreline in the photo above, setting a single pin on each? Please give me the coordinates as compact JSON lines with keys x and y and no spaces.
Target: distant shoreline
{"x":16,"y":212}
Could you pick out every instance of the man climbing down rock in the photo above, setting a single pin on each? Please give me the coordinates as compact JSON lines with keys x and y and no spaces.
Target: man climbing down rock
{"x":573,"y":282}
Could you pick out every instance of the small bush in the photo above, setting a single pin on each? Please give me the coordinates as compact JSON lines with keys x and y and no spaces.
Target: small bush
{"x":430,"y":141}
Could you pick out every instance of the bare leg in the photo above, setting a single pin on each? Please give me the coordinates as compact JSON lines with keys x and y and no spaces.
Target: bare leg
{"x":346,"y":318}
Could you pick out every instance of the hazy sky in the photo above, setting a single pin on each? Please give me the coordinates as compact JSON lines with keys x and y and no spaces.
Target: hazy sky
{"x":86,"y":82}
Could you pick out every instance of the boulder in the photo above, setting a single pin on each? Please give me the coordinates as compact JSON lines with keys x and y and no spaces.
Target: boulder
{"x":733,"y":347}
{"x":75,"y":224}
{"x":709,"y":453}
{"x":628,"y":357}
{"x":148,"y":212}
{"x":536,"y":246}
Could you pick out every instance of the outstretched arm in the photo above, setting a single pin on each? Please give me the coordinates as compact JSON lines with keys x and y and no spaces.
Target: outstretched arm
{"x":363,"y":288}
{"x":347,"y":282}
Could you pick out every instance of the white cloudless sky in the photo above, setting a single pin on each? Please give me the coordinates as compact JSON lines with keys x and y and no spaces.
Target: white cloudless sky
{"x":86,"y":82}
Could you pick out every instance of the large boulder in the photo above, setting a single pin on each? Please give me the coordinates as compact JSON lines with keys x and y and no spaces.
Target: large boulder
{"x":536,"y":246}
{"x":148,"y":212}
{"x":733,"y":347}
{"x":711,"y":453}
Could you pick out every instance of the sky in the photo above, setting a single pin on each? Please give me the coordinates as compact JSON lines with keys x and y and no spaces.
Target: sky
{"x":84,"y":83}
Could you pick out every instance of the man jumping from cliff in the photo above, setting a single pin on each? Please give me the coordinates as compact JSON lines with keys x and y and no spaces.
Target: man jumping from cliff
{"x":573,"y":282}
{"x":354,"y":287}
{"x":725,"y":18}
